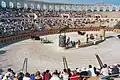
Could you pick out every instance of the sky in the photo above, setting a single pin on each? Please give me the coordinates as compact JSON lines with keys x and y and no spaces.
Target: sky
{"x":117,"y":2}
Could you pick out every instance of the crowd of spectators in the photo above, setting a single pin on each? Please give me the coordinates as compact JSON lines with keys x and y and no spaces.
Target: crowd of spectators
{"x":16,"y":21}
{"x":106,"y":72}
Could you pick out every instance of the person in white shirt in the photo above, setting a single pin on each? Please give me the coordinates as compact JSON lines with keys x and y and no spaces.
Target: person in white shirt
{"x":91,"y":71}
{"x":55,"y":76}
{"x":104,"y":72}
{"x":27,"y":77}
{"x":65,"y":75}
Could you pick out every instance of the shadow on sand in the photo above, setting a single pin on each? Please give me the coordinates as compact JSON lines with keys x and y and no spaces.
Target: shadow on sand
{"x":7,"y":44}
{"x":2,"y":52}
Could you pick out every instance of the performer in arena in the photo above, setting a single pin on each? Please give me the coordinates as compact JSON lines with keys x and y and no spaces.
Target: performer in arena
{"x":78,"y":44}
{"x":68,"y":40}
{"x":87,"y":38}
{"x":95,"y":39}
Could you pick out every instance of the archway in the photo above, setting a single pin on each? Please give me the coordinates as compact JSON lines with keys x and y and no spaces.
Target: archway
{"x":101,"y":9}
{"x":32,"y":6}
{"x":95,"y":9}
{"x":89,"y":10}
{"x":18,"y":5}
{"x":38,"y":6}
{"x":107,"y":9}
{"x":113,"y":8}
{"x":25,"y":6}
{"x":11,"y":5}
{"x":44,"y":6}
{"x":3,"y":4}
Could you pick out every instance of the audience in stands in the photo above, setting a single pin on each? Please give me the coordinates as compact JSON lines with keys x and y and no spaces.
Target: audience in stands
{"x":17,"y":21}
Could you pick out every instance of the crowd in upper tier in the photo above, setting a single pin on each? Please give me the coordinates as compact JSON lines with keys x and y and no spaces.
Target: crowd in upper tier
{"x":78,"y":74}
{"x":16,"y":21}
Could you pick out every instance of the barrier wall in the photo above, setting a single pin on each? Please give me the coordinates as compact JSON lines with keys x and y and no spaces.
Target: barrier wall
{"x":15,"y":38}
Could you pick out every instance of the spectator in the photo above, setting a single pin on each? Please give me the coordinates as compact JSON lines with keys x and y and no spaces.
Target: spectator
{"x":104,"y":72}
{"x":75,"y":76}
{"x":32,"y":77}
{"x":38,"y":76}
{"x":20,"y":76}
{"x":47,"y":75}
{"x":91,"y":71}
{"x":55,"y":76}
{"x":27,"y":77}
{"x":16,"y":77}
{"x":65,"y":75}
{"x":9,"y":74}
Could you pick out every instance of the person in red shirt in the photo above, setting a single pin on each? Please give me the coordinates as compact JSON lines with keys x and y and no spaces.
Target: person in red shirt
{"x":47,"y":75}
{"x":75,"y":76}
{"x":79,"y":42}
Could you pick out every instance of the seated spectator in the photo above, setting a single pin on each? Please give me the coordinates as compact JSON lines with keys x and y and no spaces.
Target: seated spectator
{"x":91,"y":71}
{"x":38,"y":76}
{"x":27,"y":77}
{"x":55,"y":76}
{"x":16,"y":77}
{"x":1,"y":76}
{"x":20,"y":76}
{"x":115,"y":71}
{"x":47,"y":75}
{"x":104,"y":72}
{"x":9,"y":74}
{"x":65,"y":75}
{"x":75,"y":76}
{"x":32,"y":77}
{"x":7,"y":77}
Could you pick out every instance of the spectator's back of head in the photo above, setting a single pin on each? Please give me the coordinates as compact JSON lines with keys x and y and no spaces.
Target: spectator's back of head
{"x":47,"y":71}
{"x":38,"y":73}
{"x":64,"y":70}
{"x":105,"y":65}
{"x":90,"y":66}
{"x":9,"y":70}
{"x":27,"y":75}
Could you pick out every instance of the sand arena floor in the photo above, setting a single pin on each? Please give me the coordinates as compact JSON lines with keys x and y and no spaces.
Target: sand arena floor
{"x":49,"y":56}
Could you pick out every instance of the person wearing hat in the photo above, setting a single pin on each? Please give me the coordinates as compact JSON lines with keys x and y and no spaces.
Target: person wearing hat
{"x":7,"y":77}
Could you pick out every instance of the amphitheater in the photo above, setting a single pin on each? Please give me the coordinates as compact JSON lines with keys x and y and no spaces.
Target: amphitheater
{"x":85,"y":17}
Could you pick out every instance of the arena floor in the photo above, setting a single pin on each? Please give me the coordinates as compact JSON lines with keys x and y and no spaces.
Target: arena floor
{"x":49,"y":56}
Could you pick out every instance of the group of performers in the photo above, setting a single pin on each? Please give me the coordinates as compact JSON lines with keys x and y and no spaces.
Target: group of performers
{"x":70,"y":44}
{"x":88,"y":38}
